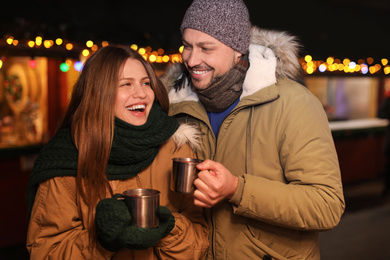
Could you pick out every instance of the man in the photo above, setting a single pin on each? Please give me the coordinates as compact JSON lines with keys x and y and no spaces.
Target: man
{"x":273,"y":181}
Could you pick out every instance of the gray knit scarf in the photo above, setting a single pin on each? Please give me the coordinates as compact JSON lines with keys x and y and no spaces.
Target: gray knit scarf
{"x":226,"y":89}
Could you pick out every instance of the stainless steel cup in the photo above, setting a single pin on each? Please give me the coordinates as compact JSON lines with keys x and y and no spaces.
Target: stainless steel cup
{"x":143,"y":205}
{"x":184,"y":173}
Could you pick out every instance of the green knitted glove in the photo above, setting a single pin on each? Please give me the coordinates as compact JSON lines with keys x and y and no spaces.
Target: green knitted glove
{"x":142,"y":238}
{"x":111,"y":218}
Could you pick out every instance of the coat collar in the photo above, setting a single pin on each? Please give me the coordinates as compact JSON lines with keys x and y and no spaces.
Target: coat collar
{"x":272,"y":56}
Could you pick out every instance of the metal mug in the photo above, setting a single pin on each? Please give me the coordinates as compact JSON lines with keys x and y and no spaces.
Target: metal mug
{"x":184,"y":172}
{"x":143,"y":205}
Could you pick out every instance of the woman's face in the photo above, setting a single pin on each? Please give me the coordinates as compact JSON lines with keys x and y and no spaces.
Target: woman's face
{"x":135,"y":96}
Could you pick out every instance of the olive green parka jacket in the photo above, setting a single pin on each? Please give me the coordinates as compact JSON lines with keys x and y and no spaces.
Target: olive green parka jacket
{"x":278,"y":142}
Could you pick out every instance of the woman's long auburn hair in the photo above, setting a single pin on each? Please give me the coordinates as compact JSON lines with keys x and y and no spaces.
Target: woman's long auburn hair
{"x":90,"y":116}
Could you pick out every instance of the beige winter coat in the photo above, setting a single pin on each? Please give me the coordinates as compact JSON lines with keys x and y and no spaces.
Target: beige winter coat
{"x":277,"y":140}
{"x":57,"y":228}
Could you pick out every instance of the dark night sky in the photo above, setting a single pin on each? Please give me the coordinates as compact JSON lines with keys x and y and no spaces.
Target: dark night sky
{"x":342,"y":28}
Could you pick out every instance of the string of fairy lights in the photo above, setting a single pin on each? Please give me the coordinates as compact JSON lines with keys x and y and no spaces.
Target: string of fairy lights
{"x":367,"y":66}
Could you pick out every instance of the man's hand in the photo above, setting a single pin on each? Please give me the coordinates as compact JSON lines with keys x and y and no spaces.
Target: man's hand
{"x":214,"y":184}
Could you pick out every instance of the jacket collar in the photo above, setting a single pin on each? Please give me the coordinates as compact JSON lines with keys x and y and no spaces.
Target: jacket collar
{"x":272,"y":56}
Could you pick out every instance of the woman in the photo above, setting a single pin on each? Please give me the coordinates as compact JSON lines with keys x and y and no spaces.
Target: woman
{"x":115,"y":136}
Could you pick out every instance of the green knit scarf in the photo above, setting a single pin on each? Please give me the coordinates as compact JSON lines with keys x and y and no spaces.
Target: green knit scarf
{"x":133,"y":149}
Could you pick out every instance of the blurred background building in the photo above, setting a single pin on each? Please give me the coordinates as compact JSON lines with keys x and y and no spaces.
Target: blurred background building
{"x":43,"y":44}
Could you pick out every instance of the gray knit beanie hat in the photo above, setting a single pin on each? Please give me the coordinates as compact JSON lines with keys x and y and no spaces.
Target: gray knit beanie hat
{"x":225,"y":20}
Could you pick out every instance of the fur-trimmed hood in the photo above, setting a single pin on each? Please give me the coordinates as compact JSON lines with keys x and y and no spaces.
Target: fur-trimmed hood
{"x":273,"y":55}
{"x":187,"y":134}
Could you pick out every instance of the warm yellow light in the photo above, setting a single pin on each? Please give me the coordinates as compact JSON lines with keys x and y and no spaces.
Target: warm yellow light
{"x":165,"y":58}
{"x":89,"y":44}
{"x":94,"y":47}
{"x":384,"y":62}
{"x":309,"y":70}
{"x":372,"y":69}
{"x":104,"y":43}
{"x":47,"y":44}
{"x":38,"y":40}
{"x":152,"y":58}
{"x":85,"y":52}
{"x":175,"y":58}
{"x":142,"y":51}
{"x":145,"y":56}
{"x":148,"y":49}
{"x":370,"y":60}
{"x":134,"y":47}
{"x":330,"y":60}
{"x":160,"y":51}
{"x":59,"y":41}
{"x":346,"y":62}
{"x":308,"y":58}
{"x":386,"y":69}
{"x":310,"y":64}
{"x":1,"y":64}
{"x":10,"y":40}
{"x":181,"y":49}
{"x":30,"y":44}
{"x":159,"y":59}
{"x":358,"y":68}
{"x":69,"y":62}
{"x":69,"y":46}
{"x":15,"y":42}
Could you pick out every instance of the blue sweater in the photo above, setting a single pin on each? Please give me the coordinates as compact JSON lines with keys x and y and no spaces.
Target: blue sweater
{"x":216,"y":119}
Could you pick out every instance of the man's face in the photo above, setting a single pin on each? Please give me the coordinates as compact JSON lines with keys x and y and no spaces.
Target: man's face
{"x":206,"y":58}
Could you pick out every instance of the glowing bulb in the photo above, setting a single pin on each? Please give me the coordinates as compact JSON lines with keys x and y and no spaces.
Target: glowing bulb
{"x":32,"y":63}
{"x":152,"y":58}
{"x":352,"y":65}
{"x":134,"y":47}
{"x":384,"y":62}
{"x":310,"y":70}
{"x":181,"y":49}
{"x":47,"y":44}
{"x":165,"y":58}
{"x":59,"y":41}
{"x":1,"y":64}
{"x":85,"y":53}
{"x":78,"y":66}
{"x":64,"y":67}
{"x":308,"y":58}
{"x":30,"y":44}
{"x":10,"y":40}
{"x":322,"y":68}
{"x":346,"y":62}
{"x":142,"y":51}
{"x":89,"y":44}
{"x":69,"y":62}
{"x":330,"y":60}
{"x":38,"y":40}
{"x":69,"y":46}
